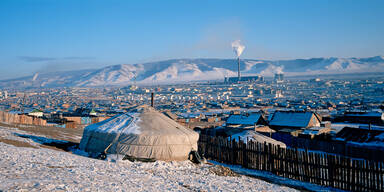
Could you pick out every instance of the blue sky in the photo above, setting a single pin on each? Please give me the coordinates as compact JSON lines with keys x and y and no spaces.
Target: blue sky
{"x":51,"y":35}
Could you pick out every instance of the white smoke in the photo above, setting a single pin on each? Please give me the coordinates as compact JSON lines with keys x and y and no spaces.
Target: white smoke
{"x":35,"y":76}
{"x":237,"y":47}
{"x":272,"y":70}
{"x":279,"y":70}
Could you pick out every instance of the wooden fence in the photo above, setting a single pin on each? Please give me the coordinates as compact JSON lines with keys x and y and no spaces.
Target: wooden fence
{"x":21,"y":119}
{"x":333,"y":146}
{"x":319,"y":168}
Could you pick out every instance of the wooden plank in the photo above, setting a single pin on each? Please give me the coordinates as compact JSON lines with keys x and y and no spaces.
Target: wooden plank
{"x":245,"y":153}
{"x":280,"y":162}
{"x":318,"y":173}
{"x":265,"y":163}
{"x":359,"y":184}
{"x":337,"y":174}
{"x":349,"y":166}
{"x":365,"y":176}
{"x":342,"y":173}
{"x":313,"y":167}
{"x":296,"y":164}
{"x":306,"y":166}
{"x":331,"y":171}
{"x":372,"y":175}
{"x":354,"y":176}
{"x":369,"y":170}
{"x":379,"y":177}
{"x":257,"y":156}
{"x":283,"y":160}
{"x":322,"y":164}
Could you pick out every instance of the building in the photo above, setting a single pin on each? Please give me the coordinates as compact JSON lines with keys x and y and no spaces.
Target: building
{"x":363,"y":134}
{"x":251,"y":119}
{"x":373,"y":117}
{"x":279,"y":77}
{"x":257,"y":78}
{"x":36,"y":113}
{"x":294,"y":120}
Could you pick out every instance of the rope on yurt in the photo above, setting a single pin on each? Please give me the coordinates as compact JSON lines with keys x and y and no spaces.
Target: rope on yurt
{"x":193,"y":155}
{"x":189,"y":141}
{"x":116,"y":139}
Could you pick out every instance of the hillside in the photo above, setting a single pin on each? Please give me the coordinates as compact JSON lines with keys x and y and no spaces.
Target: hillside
{"x":185,"y":70}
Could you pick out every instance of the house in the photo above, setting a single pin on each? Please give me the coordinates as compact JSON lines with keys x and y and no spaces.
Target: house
{"x":294,"y":120}
{"x":36,"y":113}
{"x":359,"y":135}
{"x":374,"y":117}
{"x":249,"y":119}
{"x":92,"y":113}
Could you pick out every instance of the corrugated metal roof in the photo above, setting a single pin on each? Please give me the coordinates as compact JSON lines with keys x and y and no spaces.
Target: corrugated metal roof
{"x":291,"y":119}
{"x":251,"y":119}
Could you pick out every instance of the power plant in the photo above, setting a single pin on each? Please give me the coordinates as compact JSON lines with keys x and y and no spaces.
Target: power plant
{"x":279,"y":77}
{"x":238,"y":48}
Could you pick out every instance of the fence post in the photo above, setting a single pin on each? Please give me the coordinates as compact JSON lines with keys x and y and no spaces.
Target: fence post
{"x":234,"y":151}
{"x":306,"y":166}
{"x":240,"y":143}
{"x":330,"y":170}
{"x":265,"y":158}
{"x":231,"y":148}
{"x":245,"y":159}
{"x":296,"y":164}
{"x":271,"y":158}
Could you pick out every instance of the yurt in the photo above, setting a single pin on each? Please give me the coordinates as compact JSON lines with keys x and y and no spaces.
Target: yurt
{"x":141,"y":133}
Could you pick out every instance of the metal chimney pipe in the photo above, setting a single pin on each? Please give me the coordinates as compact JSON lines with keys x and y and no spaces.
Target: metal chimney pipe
{"x":238,"y":69}
{"x":152,"y":99}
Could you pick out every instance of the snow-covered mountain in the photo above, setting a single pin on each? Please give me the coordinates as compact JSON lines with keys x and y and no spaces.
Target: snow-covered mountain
{"x":184,"y":70}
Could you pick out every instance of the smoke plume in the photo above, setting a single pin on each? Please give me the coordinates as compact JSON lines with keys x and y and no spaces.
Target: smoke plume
{"x":237,"y":47}
{"x":35,"y":76}
{"x":279,"y":70}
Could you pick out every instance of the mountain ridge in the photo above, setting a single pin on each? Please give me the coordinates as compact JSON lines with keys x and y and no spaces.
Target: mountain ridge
{"x":186,"y":70}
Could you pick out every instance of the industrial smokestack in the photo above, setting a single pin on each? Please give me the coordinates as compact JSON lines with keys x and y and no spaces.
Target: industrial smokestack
{"x":238,"y":69}
{"x":152,"y":99}
{"x":238,"y":48}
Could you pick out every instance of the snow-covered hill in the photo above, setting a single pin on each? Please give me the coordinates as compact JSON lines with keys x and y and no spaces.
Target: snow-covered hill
{"x":184,"y":70}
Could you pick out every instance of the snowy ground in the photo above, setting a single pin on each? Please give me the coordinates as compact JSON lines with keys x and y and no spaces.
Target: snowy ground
{"x":41,"y":169}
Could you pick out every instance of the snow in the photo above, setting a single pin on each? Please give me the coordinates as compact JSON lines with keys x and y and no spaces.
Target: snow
{"x":41,"y":169}
{"x":14,"y":134}
{"x":182,"y":70}
{"x":250,"y":135}
{"x":280,"y":180}
{"x":365,"y":114}
{"x":291,"y":119}
{"x":251,"y":119}
{"x":125,"y":123}
{"x":380,"y":137}
{"x":372,"y":144}
{"x":339,"y":126}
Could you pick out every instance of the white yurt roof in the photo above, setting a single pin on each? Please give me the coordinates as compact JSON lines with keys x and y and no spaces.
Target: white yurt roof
{"x":143,"y":132}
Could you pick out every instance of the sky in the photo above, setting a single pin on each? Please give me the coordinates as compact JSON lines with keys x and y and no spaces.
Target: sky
{"x":59,"y":35}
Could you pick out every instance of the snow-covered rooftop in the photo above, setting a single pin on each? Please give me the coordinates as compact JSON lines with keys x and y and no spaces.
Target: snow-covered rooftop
{"x":250,"y":119}
{"x":291,"y":118}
